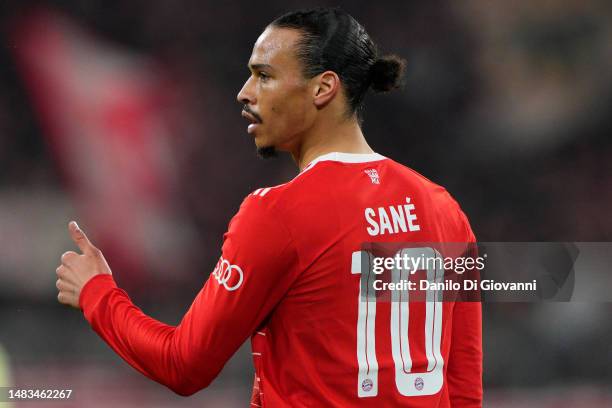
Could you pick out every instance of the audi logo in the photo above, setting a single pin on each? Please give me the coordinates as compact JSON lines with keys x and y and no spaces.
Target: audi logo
{"x":223,"y":273}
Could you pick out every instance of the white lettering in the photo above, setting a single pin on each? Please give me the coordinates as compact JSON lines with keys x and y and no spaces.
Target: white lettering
{"x":403,"y":219}
{"x":385,"y":223}
{"x":373,"y":230}
{"x":469,"y":284}
{"x":411,"y":217}
{"x":399,"y":220}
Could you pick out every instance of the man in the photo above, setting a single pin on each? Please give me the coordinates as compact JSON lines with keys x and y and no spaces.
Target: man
{"x":287,"y":276}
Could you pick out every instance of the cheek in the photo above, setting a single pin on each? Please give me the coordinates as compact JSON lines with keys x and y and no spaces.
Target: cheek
{"x":292,"y":114}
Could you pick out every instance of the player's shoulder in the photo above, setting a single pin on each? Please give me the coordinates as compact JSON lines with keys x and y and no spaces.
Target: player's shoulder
{"x":259,"y":209}
{"x":267,"y":195}
{"x":438,"y":196}
{"x":273,"y":196}
{"x":264,"y":201}
{"x":421,"y":182}
{"x":264,"y":209}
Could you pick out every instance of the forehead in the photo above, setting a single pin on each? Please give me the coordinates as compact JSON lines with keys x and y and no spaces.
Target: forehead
{"x":275,"y":46}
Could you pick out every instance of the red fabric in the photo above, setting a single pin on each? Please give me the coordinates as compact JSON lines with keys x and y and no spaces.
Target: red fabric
{"x":298,"y":300}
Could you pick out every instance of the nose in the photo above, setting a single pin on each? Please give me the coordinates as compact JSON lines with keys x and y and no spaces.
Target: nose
{"x":246,"y":95}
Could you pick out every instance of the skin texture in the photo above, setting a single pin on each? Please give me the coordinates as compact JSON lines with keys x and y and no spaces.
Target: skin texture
{"x":305,"y":117}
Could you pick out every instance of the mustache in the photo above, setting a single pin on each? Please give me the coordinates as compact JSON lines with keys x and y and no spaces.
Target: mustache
{"x":247,"y":109}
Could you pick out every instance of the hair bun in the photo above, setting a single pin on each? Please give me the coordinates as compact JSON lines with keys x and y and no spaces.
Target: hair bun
{"x":386,"y":73}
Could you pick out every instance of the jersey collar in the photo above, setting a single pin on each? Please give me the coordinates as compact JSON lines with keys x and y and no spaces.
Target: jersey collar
{"x":347,"y":158}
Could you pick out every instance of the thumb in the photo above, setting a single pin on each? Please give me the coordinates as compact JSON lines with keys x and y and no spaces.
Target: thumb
{"x":79,"y":238}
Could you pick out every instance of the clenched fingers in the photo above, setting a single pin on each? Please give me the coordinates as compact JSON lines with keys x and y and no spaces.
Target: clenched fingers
{"x":68,"y":258}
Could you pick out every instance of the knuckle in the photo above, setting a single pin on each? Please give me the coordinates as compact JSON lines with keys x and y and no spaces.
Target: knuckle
{"x":58,"y":284}
{"x":66,"y":256}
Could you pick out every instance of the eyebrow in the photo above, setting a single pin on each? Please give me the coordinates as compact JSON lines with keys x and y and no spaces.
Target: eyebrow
{"x":259,"y":66}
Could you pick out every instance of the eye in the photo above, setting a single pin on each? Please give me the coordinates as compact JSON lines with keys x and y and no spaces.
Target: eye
{"x":264,"y":77}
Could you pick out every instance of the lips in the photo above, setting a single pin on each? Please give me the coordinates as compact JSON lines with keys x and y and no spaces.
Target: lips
{"x":254,"y":121}
{"x":250,"y":117}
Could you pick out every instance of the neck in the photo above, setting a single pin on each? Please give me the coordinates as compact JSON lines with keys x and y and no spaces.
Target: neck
{"x":344,"y":137}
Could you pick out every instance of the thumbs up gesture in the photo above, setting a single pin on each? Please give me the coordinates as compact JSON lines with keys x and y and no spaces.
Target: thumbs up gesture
{"x":76,"y":270}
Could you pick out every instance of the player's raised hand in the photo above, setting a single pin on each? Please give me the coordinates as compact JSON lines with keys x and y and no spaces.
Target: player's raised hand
{"x":75,"y":270}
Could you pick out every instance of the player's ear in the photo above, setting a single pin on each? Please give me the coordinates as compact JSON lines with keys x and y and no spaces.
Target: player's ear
{"x":326,"y":85}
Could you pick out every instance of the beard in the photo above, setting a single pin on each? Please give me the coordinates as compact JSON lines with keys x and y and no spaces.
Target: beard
{"x":267,"y":152}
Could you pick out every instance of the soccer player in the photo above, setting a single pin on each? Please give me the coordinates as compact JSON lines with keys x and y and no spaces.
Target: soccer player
{"x":289,"y":275}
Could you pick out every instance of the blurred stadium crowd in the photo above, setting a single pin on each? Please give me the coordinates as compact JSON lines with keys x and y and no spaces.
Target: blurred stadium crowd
{"x":123,"y":116}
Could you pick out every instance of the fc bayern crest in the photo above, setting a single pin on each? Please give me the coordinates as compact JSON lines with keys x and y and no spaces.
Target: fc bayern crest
{"x":367,"y":385}
{"x":373,"y":175}
{"x":419,"y":383}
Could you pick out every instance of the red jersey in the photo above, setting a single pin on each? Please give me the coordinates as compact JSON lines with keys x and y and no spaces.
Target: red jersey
{"x":287,"y":278}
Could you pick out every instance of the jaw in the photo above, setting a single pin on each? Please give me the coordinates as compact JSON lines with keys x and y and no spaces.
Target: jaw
{"x":288,"y":136}
{"x":266,"y":152}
